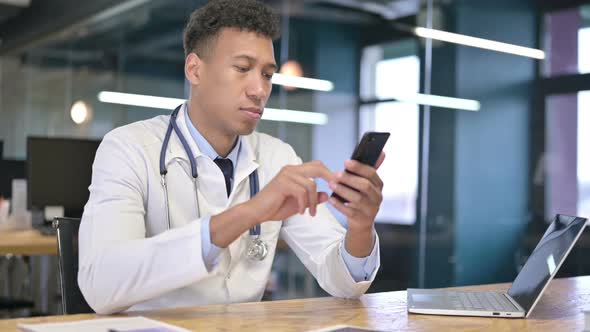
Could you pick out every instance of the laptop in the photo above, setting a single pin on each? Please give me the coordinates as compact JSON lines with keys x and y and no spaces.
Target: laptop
{"x":526,"y":290}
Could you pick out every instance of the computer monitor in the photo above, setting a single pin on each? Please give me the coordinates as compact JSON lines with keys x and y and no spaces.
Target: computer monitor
{"x":10,"y":170}
{"x":59,"y":173}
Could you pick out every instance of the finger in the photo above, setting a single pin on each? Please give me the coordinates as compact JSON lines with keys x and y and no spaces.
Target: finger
{"x":316,"y":169}
{"x":310,"y":189}
{"x":345,"y":192}
{"x":298,"y":192}
{"x":365,"y":171}
{"x":323,"y":197}
{"x":366,"y":207}
{"x":380,"y":160}
{"x":345,"y":210}
{"x":364,"y":186}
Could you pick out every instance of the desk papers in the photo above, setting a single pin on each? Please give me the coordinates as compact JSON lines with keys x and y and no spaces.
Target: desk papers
{"x":125,"y":324}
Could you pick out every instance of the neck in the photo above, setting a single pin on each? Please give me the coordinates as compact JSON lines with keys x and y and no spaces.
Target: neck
{"x":221,"y":141}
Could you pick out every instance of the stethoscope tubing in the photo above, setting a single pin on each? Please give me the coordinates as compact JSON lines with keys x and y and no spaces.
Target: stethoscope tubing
{"x":173,"y":127}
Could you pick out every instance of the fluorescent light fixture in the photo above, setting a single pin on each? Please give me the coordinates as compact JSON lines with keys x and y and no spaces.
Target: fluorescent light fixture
{"x":439,"y":101}
{"x":17,"y":3}
{"x":270,"y":114}
{"x":479,"y":42}
{"x":139,"y":100}
{"x":302,"y":82}
{"x":273,"y":114}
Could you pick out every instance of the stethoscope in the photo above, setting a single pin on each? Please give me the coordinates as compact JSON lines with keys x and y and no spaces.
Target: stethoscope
{"x":257,"y":249}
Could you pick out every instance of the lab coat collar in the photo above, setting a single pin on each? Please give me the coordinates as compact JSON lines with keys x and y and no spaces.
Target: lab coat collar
{"x":175,"y":148}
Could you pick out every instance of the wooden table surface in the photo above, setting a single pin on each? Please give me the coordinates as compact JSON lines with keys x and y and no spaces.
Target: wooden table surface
{"x":27,"y":242}
{"x":558,"y":310}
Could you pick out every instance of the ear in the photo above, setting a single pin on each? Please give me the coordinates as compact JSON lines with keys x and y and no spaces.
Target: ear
{"x":192,"y":67}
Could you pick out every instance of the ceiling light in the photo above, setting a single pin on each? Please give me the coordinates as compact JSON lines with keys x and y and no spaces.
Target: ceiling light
{"x":291,"y":70}
{"x":270,"y":114}
{"x":439,"y":101}
{"x":80,"y":112}
{"x":479,"y":42}
{"x":291,"y":77}
{"x":302,"y":82}
{"x":273,"y":114}
{"x":139,"y":100}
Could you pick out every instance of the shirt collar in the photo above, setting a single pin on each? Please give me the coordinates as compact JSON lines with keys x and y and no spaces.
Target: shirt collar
{"x":206,"y":148}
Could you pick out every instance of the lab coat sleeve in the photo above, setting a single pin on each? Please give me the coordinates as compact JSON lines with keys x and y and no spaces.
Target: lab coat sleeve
{"x":317,"y":242}
{"x":210,"y":251}
{"x":118,"y":265}
{"x":361,"y":268}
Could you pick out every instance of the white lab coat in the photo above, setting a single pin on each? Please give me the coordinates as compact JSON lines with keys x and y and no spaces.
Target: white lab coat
{"x":130,"y":260}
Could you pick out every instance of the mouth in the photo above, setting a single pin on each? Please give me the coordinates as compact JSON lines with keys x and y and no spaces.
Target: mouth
{"x":252,"y":112}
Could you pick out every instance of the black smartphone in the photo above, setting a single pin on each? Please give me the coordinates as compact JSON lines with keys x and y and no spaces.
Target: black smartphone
{"x":367,"y":151}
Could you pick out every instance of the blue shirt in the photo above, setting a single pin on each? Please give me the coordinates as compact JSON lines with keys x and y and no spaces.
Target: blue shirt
{"x":360,"y":268}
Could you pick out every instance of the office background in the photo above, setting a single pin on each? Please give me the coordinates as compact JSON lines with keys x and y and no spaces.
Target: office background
{"x":467,"y":192}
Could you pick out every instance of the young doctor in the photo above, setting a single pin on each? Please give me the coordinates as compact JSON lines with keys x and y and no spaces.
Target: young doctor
{"x":187,"y":209}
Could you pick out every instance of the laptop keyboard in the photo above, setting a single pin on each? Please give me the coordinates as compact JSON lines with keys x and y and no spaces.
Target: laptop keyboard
{"x":480,"y":301}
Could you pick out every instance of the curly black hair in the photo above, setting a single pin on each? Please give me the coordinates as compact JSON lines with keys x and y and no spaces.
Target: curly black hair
{"x":206,"y":22}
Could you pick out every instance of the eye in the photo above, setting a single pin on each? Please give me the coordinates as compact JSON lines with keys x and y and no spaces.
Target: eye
{"x":241,"y":69}
{"x":268,"y":76}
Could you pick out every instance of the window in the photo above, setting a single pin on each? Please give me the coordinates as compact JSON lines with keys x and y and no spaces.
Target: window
{"x":584,"y":50}
{"x":566,"y":158}
{"x":383,"y":75}
{"x":567,"y":41}
{"x":583,"y":163}
{"x":567,"y":155}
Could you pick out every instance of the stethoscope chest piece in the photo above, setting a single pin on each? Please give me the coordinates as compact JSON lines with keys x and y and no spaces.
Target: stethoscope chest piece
{"x":257,"y":249}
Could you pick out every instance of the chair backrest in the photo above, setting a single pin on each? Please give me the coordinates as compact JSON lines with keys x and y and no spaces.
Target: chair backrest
{"x":67,"y":239}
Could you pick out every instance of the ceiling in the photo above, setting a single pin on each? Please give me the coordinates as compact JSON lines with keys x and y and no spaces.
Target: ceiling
{"x":149,"y":25}
{"x":152,"y":28}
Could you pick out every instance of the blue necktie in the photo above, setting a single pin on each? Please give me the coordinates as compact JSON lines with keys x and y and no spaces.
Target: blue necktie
{"x":227,"y":168}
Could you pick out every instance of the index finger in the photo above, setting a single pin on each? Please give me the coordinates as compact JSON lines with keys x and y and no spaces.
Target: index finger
{"x":366,"y":171}
{"x":316,"y":169}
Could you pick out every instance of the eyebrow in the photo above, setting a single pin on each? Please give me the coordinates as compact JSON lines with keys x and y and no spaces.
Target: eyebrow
{"x":253,"y":60}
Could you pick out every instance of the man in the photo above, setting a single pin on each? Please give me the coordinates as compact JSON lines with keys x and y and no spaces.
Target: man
{"x":156,"y":235}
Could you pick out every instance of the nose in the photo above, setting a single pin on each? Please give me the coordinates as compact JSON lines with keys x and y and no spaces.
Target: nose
{"x":258,"y":89}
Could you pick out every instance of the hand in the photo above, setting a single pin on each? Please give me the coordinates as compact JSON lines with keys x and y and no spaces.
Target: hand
{"x":291,"y":191}
{"x":362,"y":189}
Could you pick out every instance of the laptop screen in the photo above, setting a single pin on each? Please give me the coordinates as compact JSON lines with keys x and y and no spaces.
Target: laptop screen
{"x":543,"y":263}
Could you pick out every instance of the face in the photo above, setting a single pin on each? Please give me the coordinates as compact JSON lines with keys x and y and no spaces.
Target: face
{"x":232,"y":84}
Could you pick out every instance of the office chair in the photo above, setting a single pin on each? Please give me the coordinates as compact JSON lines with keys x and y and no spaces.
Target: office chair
{"x":67,"y":243}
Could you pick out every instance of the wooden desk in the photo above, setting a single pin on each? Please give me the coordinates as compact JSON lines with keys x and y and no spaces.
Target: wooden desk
{"x":29,"y":242}
{"x":558,"y":310}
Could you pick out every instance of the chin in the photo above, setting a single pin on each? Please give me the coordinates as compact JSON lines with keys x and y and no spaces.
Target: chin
{"x":245,"y":130}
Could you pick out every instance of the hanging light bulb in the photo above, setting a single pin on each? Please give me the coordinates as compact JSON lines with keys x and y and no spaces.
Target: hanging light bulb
{"x":291,"y":68}
{"x":80,"y":112}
